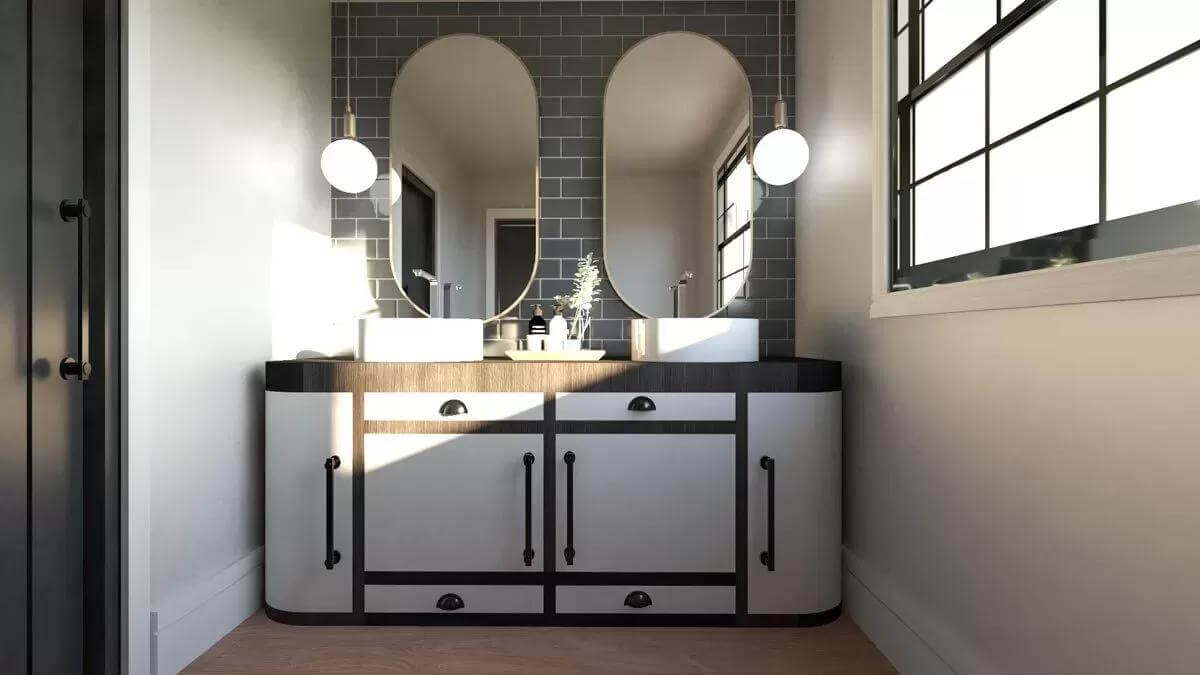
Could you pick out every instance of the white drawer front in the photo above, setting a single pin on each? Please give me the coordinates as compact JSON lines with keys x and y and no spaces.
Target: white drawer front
{"x":664,"y":600}
{"x":668,"y":407}
{"x":425,"y":406}
{"x":476,"y":599}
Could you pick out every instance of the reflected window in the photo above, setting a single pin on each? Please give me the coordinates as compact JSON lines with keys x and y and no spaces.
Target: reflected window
{"x":1041,"y":133}
{"x":735,"y":214}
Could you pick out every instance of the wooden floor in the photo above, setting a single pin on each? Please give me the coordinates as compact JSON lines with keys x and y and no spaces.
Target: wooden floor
{"x":262,"y":646}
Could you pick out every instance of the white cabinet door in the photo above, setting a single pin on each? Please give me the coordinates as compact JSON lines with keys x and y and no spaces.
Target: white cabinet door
{"x":303,"y":431}
{"x":647,"y":503}
{"x":802,"y":433}
{"x":451,"y":502}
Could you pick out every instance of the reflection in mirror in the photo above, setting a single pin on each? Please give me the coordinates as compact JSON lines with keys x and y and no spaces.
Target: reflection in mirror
{"x":464,"y":179}
{"x":678,"y":186}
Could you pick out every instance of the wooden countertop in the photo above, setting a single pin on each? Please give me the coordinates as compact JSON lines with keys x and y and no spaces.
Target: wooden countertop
{"x":774,"y":375}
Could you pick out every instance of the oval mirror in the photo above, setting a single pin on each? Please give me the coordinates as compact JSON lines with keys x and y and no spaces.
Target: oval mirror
{"x":678,"y":188}
{"x":464,"y":145}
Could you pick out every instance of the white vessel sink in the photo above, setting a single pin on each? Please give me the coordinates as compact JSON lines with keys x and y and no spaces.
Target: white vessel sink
{"x":695,"y":340}
{"x":410,"y":340}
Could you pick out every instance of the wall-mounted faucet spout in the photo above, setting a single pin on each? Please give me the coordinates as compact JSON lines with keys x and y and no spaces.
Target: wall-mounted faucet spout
{"x":676,"y":288}
{"x":439,"y":303}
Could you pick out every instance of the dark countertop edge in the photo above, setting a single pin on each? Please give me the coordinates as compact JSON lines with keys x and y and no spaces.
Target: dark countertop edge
{"x":788,"y":375}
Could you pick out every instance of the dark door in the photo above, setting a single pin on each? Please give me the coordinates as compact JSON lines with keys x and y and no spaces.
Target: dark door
{"x":48,"y":261}
{"x":514,"y":260}
{"x":417,"y":238}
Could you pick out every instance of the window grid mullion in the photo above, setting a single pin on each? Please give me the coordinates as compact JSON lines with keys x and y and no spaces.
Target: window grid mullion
{"x":1103,"y":100}
{"x":916,"y":53}
{"x":987,"y":152}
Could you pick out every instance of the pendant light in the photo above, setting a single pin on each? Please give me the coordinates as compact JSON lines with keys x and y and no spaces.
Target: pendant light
{"x":782,"y":155}
{"x":347,"y":164}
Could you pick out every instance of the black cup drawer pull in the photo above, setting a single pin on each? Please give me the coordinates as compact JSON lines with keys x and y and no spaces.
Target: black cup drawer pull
{"x":638,"y":600}
{"x":642,"y":404}
{"x":767,"y":557}
{"x":332,"y":556}
{"x":450,"y":602}
{"x":452,"y":407}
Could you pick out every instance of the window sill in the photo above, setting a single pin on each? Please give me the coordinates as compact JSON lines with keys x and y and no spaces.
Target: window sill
{"x":1160,"y":274}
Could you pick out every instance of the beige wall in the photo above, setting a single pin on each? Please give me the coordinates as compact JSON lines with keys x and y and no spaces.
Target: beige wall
{"x":1022,"y":486}
{"x":649,"y":221}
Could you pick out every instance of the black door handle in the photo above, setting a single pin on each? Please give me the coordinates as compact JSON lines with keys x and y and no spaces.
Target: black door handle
{"x":767,"y":557}
{"x":642,"y":404}
{"x":528,"y":460}
{"x":450,"y":602}
{"x":638,"y":600}
{"x":80,"y":367}
{"x":569,"y":551}
{"x":332,"y":556}
{"x":452,"y":407}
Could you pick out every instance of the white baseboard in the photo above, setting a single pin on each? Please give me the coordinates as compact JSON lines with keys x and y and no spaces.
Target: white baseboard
{"x":897,"y":626}
{"x":188,"y":623}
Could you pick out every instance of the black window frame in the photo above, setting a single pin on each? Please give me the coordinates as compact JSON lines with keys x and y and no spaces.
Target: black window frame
{"x":1050,"y":250}
{"x":737,"y":155}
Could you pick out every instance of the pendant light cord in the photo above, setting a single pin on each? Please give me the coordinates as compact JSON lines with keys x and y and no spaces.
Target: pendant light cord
{"x":347,"y":55}
{"x":779,"y":45}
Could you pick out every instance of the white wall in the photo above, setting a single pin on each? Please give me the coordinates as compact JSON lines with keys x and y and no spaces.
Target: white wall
{"x":1022,"y":486}
{"x":649,"y":220}
{"x":228,"y":112}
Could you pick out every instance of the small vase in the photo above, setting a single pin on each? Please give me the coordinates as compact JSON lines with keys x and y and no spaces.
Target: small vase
{"x":572,"y":345}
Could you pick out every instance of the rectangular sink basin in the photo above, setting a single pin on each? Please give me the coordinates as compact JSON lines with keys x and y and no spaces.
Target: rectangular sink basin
{"x":420,"y":340}
{"x":695,"y":340}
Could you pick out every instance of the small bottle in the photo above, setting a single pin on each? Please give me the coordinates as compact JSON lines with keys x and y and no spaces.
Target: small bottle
{"x":537,"y":324}
{"x":558,"y":330}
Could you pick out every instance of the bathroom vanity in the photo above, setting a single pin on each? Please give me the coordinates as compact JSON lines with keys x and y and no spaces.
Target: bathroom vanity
{"x":602,"y":493}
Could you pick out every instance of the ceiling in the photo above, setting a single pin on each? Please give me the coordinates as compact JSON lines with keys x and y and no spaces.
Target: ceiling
{"x":668,"y":100}
{"x":477,"y":96}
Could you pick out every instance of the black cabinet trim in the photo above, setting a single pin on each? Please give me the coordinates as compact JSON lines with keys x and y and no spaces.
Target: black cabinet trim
{"x":614,"y":620}
{"x":549,"y":579}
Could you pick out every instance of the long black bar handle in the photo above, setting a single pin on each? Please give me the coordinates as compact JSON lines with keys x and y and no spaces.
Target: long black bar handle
{"x":528,"y":460}
{"x":79,"y":367}
{"x":332,"y":556}
{"x":767,"y":557}
{"x":569,"y":551}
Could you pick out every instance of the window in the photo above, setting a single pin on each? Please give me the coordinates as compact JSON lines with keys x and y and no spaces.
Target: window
{"x":1041,"y":133}
{"x":735,"y":191}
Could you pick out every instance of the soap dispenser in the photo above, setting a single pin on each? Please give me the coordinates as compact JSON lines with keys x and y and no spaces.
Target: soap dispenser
{"x":537,"y":324}
{"x":558,"y":331}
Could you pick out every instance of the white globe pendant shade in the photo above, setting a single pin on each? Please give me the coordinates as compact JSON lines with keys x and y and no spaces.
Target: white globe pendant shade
{"x":781,"y":156}
{"x":349,"y":166}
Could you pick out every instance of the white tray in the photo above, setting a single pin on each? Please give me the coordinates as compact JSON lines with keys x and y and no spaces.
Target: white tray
{"x":579,"y":355}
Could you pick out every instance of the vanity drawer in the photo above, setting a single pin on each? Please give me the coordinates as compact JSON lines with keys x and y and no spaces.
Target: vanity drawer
{"x":475,"y":599}
{"x":663,"y":600}
{"x":595,"y":406}
{"x":427,"y":406}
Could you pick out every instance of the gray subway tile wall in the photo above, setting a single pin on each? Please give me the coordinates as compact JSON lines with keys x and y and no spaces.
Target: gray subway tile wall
{"x":570,"y":49}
